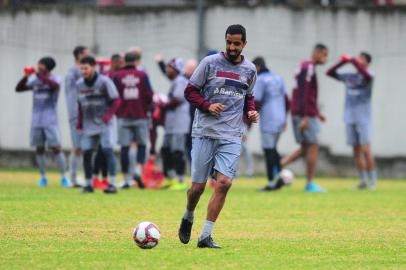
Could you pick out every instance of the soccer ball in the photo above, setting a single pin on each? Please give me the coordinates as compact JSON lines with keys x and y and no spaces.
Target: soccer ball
{"x":146,"y":235}
{"x":287,"y":176}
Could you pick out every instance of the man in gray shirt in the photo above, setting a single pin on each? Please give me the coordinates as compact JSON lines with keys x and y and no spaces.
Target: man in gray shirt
{"x":98,"y":101}
{"x":221,"y":90}
{"x":177,"y":125}
{"x":71,"y":78}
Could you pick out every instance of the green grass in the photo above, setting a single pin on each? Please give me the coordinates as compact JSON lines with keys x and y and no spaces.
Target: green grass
{"x":59,"y":228}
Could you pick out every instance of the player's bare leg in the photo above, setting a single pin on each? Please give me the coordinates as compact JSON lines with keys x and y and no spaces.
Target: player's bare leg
{"x":312,"y":151}
{"x":370,"y":165}
{"x":193,"y":196}
{"x":41,"y":163}
{"x":292,"y":157}
{"x":60,"y":161}
{"x":74,"y":161}
{"x":361,"y":166}
{"x":214,"y":208}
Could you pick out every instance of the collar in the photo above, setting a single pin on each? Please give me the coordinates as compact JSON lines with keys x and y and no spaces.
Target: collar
{"x":92,"y":80}
{"x":233,"y":63}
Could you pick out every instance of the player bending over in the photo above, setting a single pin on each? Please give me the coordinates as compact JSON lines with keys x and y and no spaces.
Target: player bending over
{"x":221,"y":90}
{"x":44,"y":123}
{"x":357,"y":114}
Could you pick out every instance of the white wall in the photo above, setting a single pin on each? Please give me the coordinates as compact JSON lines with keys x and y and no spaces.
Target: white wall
{"x":282,"y":35}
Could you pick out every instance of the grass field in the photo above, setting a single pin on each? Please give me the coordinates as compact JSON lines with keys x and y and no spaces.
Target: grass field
{"x":59,"y":228}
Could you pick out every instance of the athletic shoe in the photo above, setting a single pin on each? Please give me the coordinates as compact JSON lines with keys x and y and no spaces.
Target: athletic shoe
{"x":76,"y":185}
{"x":314,"y":188}
{"x":168,"y":184}
{"x":110,"y":189}
{"x":185,"y":230}
{"x":139,"y":182}
{"x":65,"y":182}
{"x":362,"y":185}
{"x":87,"y":189}
{"x":125,"y":185}
{"x":104,"y":184}
{"x":273,"y":186}
{"x":207,"y":243}
{"x":96,"y":183}
{"x":43,"y":182}
{"x":179,"y":186}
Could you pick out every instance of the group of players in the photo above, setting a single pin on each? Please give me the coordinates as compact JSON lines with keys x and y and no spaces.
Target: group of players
{"x":222,"y":95}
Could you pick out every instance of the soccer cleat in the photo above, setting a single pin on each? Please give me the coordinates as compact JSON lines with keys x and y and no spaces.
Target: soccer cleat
{"x":139,"y":182}
{"x":96,"y":183}
{"x":110,"y":189}
{"x":185,"y":230}
{"x":179,"y":186}
{"x":207,"y":243}
{"x":65,"y":182}
{"x":43,"y":182}
{"x":104,"y":184}
{"x":87,"y":189}
{"x":168,"y":184}
{"x":362,"y":185}
{"x":273,"y":186}
{"x":125,"y":186}
{"x":314,"y":188}
{"x":76,"y":185}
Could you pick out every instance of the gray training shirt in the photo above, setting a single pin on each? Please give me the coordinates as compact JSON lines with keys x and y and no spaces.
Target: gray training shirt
{"x":44,"y":108}
{"x":71,"y":78}
{"x":222,"y":82}
{"x":94,"y":102}
{"x":177,"y":121}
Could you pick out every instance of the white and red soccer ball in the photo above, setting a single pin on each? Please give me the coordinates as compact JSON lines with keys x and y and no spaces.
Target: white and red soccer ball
{"x":146,"y":235}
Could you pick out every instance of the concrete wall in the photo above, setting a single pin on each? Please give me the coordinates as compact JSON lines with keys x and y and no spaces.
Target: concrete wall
{"x":282,"y":35}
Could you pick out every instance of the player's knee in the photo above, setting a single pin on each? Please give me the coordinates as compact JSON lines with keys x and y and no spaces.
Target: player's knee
{"x":223,"y":184}
{"x":196,"y":191}
{"x":40,"y":150}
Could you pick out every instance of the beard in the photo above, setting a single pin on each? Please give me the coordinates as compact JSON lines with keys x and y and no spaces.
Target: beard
{"x":233,"y":55}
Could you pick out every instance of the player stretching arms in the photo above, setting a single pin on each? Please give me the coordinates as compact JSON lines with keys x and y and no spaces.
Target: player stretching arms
{"x":136,"y":95}
{"x":221,"y":90}
{"x":306,"y":116}
{"x":71,"y":78}
{"x":98,"y":102}
{"x":44,"y":123}
{"x":270,"y":98}
{"x":357,"y":114}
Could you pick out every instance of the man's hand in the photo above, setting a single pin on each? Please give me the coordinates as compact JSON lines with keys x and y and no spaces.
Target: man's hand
{"x":345,"y":58}
{"x":253,"y":116}
{"x":216,"y":108}
{"x":322,"y":118}
{"x":304,"y":123}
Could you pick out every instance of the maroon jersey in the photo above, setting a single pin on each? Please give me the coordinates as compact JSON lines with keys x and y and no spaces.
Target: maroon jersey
{"x":304,"y":97}
{"x":135,"y":91}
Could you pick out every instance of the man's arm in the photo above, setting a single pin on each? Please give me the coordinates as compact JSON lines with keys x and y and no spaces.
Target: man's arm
{"x":361,"y":69}
{"x":79,"y":123}
{"x":53,"y":84}
{"x":22,"y":85}
{"x":332,"y":72}
{"x":115,"y":100}
{"x":193,"y":95}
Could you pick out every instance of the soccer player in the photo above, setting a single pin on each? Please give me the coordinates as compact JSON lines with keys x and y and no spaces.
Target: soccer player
{"x":357,"y":114}
{"x":136,"y":94}
{"x":177,"y":124}
{"x":98,"y":102}
{"x":270,"y":98}
{"x":71,"y":78}
{"x":306,"y":116}
{"x":44,"y":123}
{"x":221,"y":89}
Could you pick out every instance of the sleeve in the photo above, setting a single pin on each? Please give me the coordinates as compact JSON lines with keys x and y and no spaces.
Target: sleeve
{"x":149,"y":92}
{"x":252,"y":84}
{"x":259,"y":91}
{"x":361,"y":69}
{"x":22,"y":85}
{"x":193,"y":95}
{"x":111,"y":89}
{"x":332,"y":72}
{"x":54,"y":82}
{"x":304,"y":80}
{"x":199,"y":76}
{"x":178,"y":95}
{"x":70,"y":82}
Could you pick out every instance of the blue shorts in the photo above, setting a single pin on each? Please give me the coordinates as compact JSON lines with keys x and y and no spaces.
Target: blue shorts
{"x":269,"y":140}
{"x":42,"y":136}
{"x":75,"y":135}
{"x":358,"y":134}
{"x":310,"y":135}
{"x":105,"y":139}
{"x":137,"y":133}
{"x":218,"y":154}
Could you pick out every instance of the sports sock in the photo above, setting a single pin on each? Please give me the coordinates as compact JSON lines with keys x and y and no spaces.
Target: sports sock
{"x":207,"y":229}
{"x":363,"y":177}
{"x":60,"y":161}
{"x":189,"y":215}
{"x":111,"y":164}
{"x":181,"y":179}
{"x":73,"y":167}
{"x":373,"y":177}
{"x":41,"y":161}
{"x":132,"y":156}
{"x":87,"y":165}
{"x":309,"y":181}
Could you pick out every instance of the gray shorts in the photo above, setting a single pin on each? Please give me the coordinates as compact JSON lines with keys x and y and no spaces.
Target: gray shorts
{"x":218,"y":154}
{"x":269,"y":140}
{"x":42,"y":136}
{"x":358,"y":134}
{"x":105,"y":139}
{"x":75,"y":135}
{"x":311,"y":134}
{"x":137,"y":133}
{"x":175,"y":142}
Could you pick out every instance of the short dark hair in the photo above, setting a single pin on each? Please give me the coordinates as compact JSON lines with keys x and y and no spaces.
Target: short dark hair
{"x":88,"y":60}
{"x":260,"y":62}
{"x":320,"y":47}
{"x":48,"y":62}
{"x":78,"y":51}
{"x":237,"y":29}
{"x":130,"y":57}
{"x":115,"y":57}
{"x":367,"y":56}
